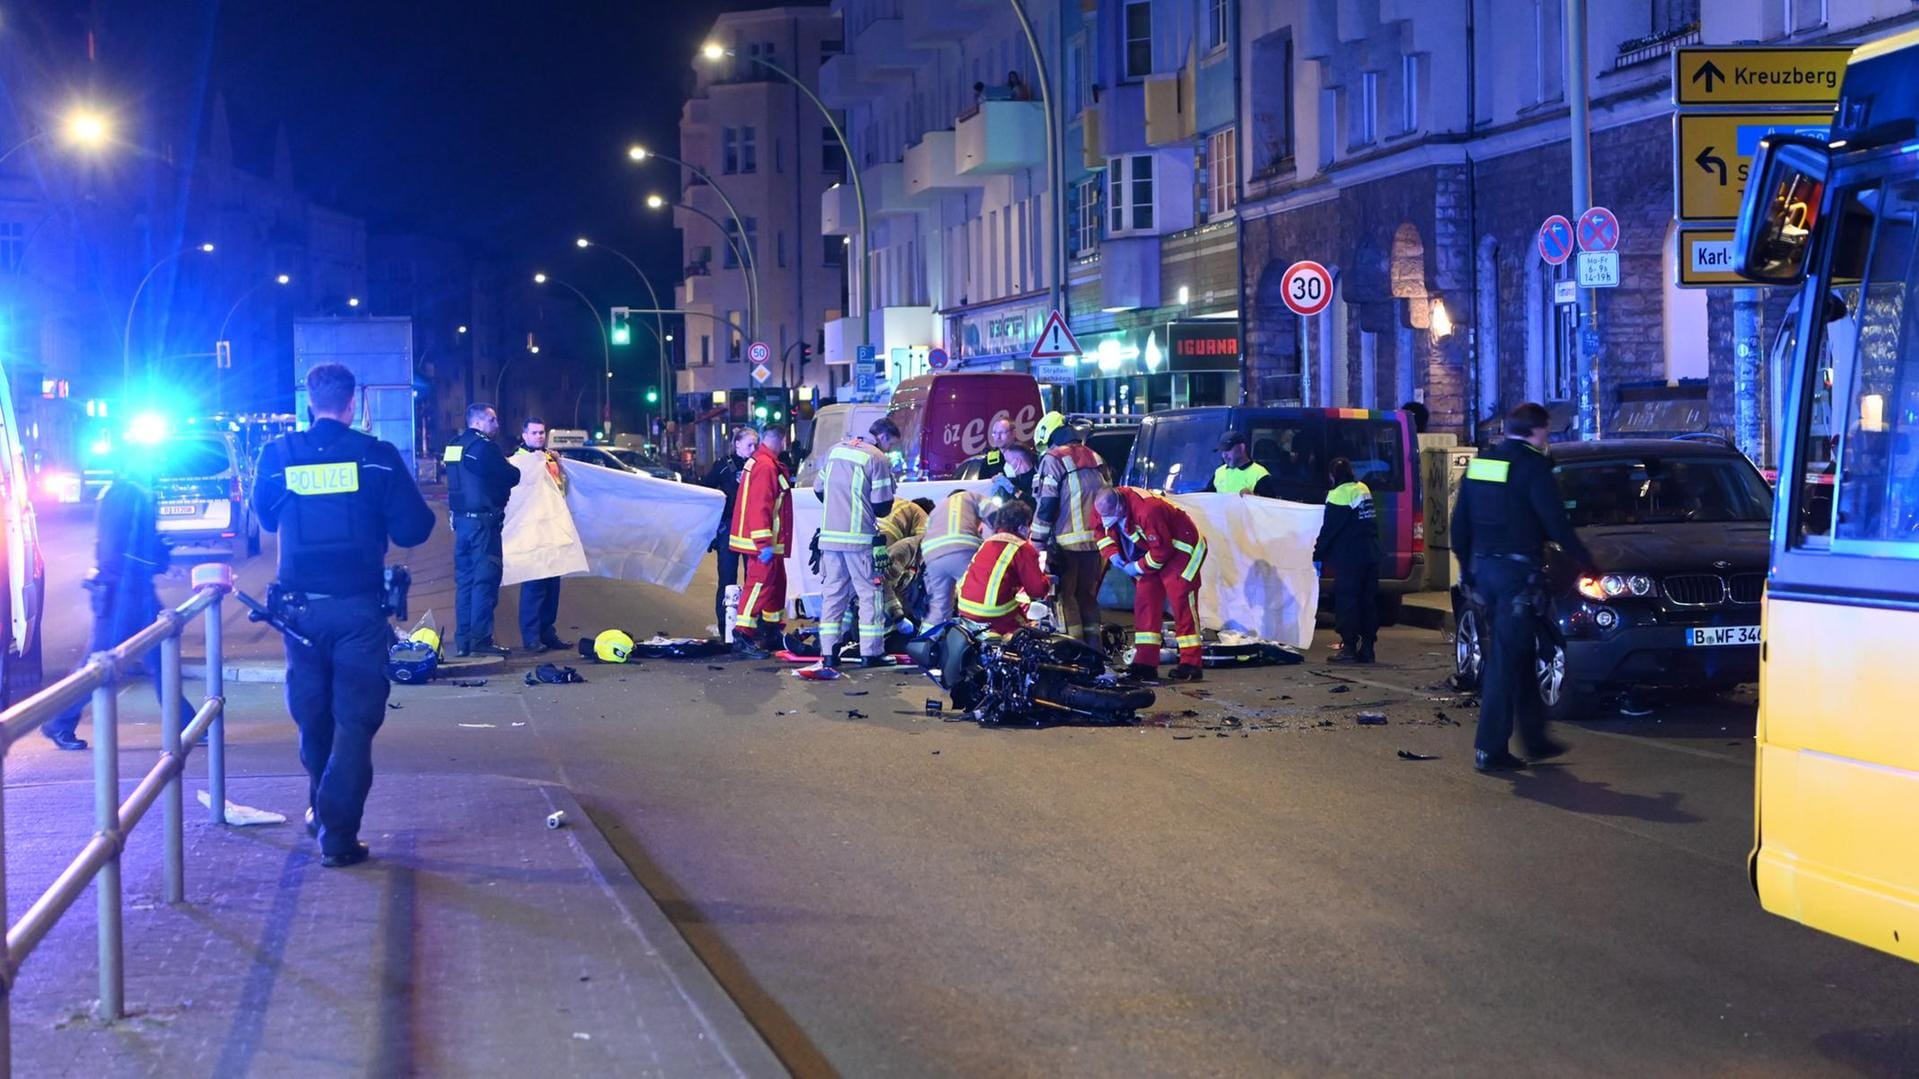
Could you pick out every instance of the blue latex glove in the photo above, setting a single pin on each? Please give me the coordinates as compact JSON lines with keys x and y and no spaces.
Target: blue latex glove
{"x":1319,"y":568}
{"x":1118,"y":563}
{"x":1133,"y":570}
{"x":767,"y":556}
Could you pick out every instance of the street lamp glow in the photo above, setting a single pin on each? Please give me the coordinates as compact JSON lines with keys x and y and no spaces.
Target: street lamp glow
{"x":208,"y":248}
{"x":636,"y":152}
{"x":1442,"y":323}
{"x":353,"y":301}
{"x":88,"y":128}
{"x":713,"y":50}
{"x":669,"y":337}
{"x":582,"y":243}
{"x":534,"y":349}
{"x":283,"y":279}
{"x":655,"y":202}
{"x":461,"y":329}
{"x":539,"y":279}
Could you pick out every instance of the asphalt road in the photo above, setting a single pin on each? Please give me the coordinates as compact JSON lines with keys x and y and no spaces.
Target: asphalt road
{"x":888,"y":892}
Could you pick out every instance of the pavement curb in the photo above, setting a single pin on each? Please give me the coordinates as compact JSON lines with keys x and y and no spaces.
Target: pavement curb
{"x":735,"y":1035}
{"x":1422,"y":617}
{"x":274,"y":673}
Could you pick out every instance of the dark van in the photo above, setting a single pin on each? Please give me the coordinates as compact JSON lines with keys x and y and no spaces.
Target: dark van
{"x":1177,"y":450}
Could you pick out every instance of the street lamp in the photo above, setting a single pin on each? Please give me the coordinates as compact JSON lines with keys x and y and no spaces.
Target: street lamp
{"x":82,"y":127}
{"x":641,"y":153}
{"x":353,"y":301}
{"x":714,"y":51}
{"x":126,"y":339}
{"x":737,"y":246}
{"x":606,"y":351}
{"x":277,"y":279}
{"x":659,"y":321}
{"x":1055,"y":172}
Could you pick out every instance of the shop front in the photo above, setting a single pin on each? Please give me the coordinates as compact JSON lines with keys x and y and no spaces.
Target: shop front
{"x":996,"y":337}
{"x":1132,"y":372}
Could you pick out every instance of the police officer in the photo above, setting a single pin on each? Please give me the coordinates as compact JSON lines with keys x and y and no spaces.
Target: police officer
{"x":1349,"y":542}
{"x":1238,"y":473}
{"x":336,"y":496}
{"x":1509,"y":506}
{"x":479,"y":479}
{"x":127,"y":554}
{"x":999,"y":438}
{"x":540,"y":600}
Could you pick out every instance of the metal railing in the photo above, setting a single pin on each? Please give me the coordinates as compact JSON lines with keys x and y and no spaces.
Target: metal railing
{"x":99,"y":861}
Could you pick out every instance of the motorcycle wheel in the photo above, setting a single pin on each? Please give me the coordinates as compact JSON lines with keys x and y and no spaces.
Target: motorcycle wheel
{"x":1111,"y":704}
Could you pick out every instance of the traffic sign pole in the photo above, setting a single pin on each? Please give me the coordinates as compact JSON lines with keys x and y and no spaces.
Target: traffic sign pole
{"x":1586,"y":364}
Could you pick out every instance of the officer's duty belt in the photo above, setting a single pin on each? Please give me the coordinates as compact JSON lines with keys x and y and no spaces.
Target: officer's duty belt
{"x":1525,"y":558}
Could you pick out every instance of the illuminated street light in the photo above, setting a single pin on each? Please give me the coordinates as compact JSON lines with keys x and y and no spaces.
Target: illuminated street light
{"x":206,"y":249}
{"x":583,"y":243}
{"x":353,"y":301}
{"x":126,"y":339}
{"x":539,"y":279}
{"x":460,"y":330}
{"x":283,"y":279}
{"x":713,"y":51}
{"x":88,"y":128}
{"x":636,"y":152}
{"x":655,"y":202}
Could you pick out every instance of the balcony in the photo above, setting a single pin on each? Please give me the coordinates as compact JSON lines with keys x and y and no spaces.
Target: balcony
{"x":1092,"y":152}
{"x":886,"y":193}
{"x":906,"y":327}
{"x":843,"y":337}
{"x":932,"y":166}
{"x":1169,"y":108}
{"x":1129,"y":273}
{"x":933,"y":25}
{"x":839,"y":211}
{"x":1000,"y":137}
{"x":884,"y":53}
{"x":698,"y":111}
{"x":843,"y":82}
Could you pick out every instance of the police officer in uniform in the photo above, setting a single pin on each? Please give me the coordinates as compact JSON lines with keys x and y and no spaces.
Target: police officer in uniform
{"x":999,"y":438}
{"x":336,"y":496}
{"x":1349,"y":542}
{"x":1509,"y":506}
{"x":479,"y":479}
{"x":1238,"y":473}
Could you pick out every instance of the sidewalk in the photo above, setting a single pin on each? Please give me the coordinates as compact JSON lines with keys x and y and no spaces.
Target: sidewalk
{"x":1427,"y":610}
{"x":477,"y":943}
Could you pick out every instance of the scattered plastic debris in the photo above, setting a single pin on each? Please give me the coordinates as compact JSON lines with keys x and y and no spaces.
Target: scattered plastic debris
{"x":936,"y":753}
{"x":393,"y":705}
{"x":244,"y":816}
{"x":1340,"y":687}
{"x":1409,"y":755}
{"x":934,"y":706}
{"x":1372,"y":719}
{"x":582,"y":1036}
{"x":817,"y":673}
{"x":479,"y":725}
{"x":857,"y":692}
{"x":556,"y":819}
{"x":715,"y":667}
{"x":469,"y":683}
{"x":854,"y":713}
{"x":519,"y":723}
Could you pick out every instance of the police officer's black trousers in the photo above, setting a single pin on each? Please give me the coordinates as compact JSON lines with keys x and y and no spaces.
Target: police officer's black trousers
{"x":476,"y":578}
{"x":336,"y":692}
{"x":114,"y":622}
{"x":539,"y":610}
{"x":1508,"y":690}
{"x":1356,"y":605}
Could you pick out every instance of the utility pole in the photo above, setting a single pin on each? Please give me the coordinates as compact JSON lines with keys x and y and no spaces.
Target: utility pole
{"x":1747,"y":428}
{"x":1586,"y":365}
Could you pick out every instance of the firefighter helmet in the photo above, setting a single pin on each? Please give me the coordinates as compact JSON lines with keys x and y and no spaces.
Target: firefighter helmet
{"x":1043,"y":430}
{"x":612,"y":646}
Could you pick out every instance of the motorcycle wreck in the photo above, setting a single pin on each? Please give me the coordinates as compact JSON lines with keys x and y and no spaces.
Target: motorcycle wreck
{"x":1029,"y":678}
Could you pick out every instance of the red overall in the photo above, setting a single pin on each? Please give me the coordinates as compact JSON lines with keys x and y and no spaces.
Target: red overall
{"x":1162,"y":542}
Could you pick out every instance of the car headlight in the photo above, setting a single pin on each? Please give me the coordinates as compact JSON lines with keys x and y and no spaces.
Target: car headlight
{"x":1639,"y":584}
{"x":1591,"y":588}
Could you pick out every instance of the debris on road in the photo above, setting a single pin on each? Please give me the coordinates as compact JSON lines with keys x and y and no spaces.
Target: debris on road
{"x":243,"y":816}
{"x":556,"y":819}
{"x":393,"y":705}
{"x":479,"y":725}
{"x":1372,"y":719}
{"x":1339,"y":687}
{"x":857,"y":692}
{"x":934,"y":706}
{"x":469,"y":683}
{"x":854,"y":713}
{"x":1409,"y":755}
{"x":1444,"y":719}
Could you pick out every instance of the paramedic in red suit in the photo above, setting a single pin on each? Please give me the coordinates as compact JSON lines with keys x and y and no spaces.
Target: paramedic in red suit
{"x":1156,"y":543}
{"x":762,"y":527}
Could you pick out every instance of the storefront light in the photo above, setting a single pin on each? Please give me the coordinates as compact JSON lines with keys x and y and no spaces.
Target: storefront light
{"x":1152,"y":353}
{"x":1442,"y":323}
{"x":1109,"y":355}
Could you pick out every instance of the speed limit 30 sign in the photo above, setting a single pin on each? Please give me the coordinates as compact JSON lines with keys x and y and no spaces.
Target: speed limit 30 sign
{"x":1307,"y":286}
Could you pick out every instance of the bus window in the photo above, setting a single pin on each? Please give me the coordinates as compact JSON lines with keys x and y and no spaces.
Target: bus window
{"x":1875,"y":493}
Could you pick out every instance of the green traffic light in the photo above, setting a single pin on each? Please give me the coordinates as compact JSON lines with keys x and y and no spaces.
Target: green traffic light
{"x":622,"y":335}
{"x":652,"y":396}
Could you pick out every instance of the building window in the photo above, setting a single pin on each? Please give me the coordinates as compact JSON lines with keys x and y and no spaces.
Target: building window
{"x":1409,"y":93}
{"x":1086,"y":216}
{"x":1366,"y":110}
{"x":1548,"y":49}
{"x":1803,"y":15}
{"x":1129,"y":194}
{"x":1079,"y":81}
{"x":1139,"y":39}
{"x":1328,"y":125}
{"x":729,"y":150}
{"x":1272,"y":100}
{"x":830,"y":48}
{"x":1215,"y":24}
{"x":1222,"y":171}
{"x":751,"y":246}
{"x":832,"y":156}
{"x":749,"y":155}
{"x":835,"y":256}
{"x":1671,"y":17}
{"x":706,"y":350}
{"x":13,"y":246}
{"x":734,"y":318}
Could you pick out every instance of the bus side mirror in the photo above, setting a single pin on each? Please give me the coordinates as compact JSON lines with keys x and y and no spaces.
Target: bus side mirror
{"x":1783,"y":191}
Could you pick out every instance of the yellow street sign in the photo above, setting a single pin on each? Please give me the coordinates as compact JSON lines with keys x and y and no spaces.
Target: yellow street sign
{"x":1713,"y":153}
{"x":1705,"y":259}
{"x":1758,"y":76}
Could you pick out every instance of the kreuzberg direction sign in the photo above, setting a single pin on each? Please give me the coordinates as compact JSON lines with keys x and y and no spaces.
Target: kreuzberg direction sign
{"x":1728,"y":100}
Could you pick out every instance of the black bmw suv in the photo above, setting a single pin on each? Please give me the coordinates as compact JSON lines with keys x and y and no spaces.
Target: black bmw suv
{"x":1678,"y":529}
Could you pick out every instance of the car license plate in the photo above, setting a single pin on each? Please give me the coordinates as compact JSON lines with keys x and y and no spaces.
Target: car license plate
{"x":180,"y":509}
{"x":1712,"y":636}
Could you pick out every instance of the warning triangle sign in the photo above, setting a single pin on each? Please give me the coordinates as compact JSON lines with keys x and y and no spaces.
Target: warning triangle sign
{"x":1055,"y":340}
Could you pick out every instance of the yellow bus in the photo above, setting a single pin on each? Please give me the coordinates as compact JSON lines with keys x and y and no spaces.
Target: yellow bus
{"x":1836,"y":815}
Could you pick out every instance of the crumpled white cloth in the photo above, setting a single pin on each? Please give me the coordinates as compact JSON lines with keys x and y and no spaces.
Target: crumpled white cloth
{"x":623,"y":525}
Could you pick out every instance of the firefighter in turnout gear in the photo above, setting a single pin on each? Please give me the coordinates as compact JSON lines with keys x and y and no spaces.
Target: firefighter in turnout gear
{"x":337,"y":497}
{"x":1348,"y":544}
{"x":1155,"y":543}
{"x":953,"y":532}
{"x":479,"y":480}
{"x":1004,"y":566}
{"x":1070,"y":475}
{"x":762,"y":528}
{"x":1509,"y":506}
{"x":856,"y":486}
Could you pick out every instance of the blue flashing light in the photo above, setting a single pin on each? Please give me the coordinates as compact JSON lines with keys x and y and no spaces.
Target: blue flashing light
{"x":148,"y":428}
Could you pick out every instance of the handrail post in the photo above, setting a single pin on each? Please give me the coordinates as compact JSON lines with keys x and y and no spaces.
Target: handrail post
{"x":217,"y":730}
{"x":6,"y":956}
{"x":171,"y":809}
{"x":106,"y":815}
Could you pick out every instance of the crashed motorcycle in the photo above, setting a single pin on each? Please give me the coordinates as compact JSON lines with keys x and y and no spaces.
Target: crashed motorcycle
{"x":1031,"y":677}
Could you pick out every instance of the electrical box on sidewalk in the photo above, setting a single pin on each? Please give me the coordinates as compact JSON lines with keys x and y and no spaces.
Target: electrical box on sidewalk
{"x":1442,"y":468}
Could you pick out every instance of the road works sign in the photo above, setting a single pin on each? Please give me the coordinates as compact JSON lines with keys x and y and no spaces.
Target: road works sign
{"x":1714,"y":152}
{"x":1705,"y":259}
{"x":1758,"y":76}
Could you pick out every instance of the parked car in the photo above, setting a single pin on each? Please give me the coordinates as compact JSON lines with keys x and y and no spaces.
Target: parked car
{"x":1177,"y":451}
{"x":203,"y":489}
{"x":24,"y":588}
{"x":594,"y":455}
{"x":641,"y":461}
{"x":1679,"y":531}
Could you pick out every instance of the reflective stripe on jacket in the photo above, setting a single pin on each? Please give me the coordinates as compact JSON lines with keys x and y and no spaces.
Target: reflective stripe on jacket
{"x":953,"y":526}
{"x":763,"y":509}
{"x":855,"y":475}
{"x":1158,"y":536}
{"x":1069,"y":480}
{"x":1004,"y":566}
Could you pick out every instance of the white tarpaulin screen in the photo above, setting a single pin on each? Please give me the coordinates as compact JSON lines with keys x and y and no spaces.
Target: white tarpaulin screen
{"x":800,"y":581}
{"x":623,"y":525}
{"x":1259,"y":577}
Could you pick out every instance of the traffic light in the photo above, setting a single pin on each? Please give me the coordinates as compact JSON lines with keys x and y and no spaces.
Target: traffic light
{"x":771,"y":405}
{"x":622,"y":331}
{"x":652,"y":396}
